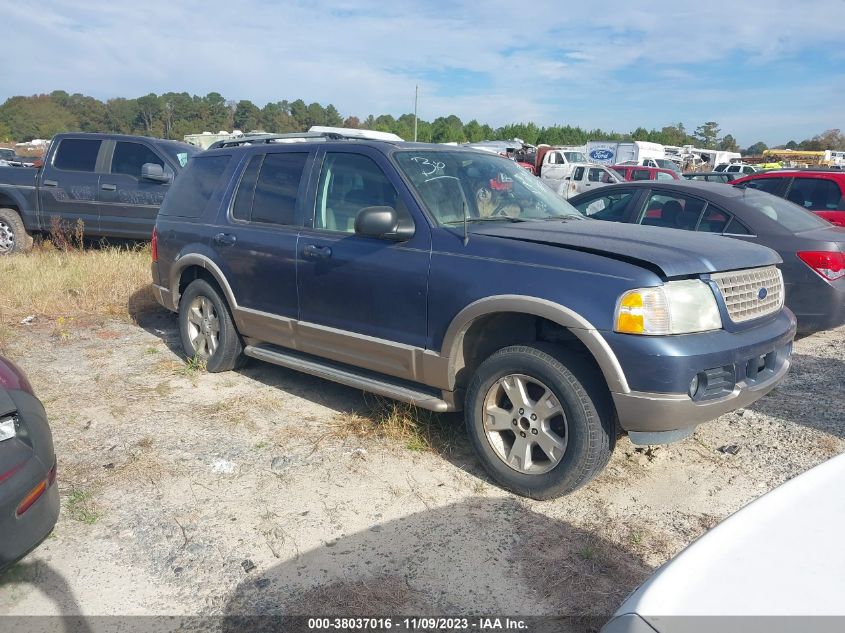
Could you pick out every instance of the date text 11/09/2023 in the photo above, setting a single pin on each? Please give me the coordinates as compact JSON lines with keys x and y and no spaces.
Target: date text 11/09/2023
{"x":482,"y":624}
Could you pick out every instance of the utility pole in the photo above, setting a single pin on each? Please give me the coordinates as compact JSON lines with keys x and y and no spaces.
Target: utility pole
{"x":416,"y":99}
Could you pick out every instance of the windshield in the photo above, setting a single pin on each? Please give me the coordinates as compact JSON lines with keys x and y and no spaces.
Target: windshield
{"x":785,"y":213}
{"x":484,"y":186}
{"x":180,"y":152}
{"x":575,"y":157}
{"x":667,"y":164}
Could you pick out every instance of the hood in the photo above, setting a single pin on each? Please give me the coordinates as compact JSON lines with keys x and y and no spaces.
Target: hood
{"x":676,"y":253}
{"x":781,"y":555}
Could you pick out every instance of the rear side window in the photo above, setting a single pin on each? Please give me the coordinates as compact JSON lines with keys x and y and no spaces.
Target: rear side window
{"x":242,"y":206}
{"x":128,"y":158}
{"x":674,"y":211}
{"x":641,"y":174}
{"x":714,"y":221}
{"x":818,"y":194}
{"x":274,"y":200}
{"x":77,"y":154}
{"x":769,"y":185}
{"x":193,"y":188}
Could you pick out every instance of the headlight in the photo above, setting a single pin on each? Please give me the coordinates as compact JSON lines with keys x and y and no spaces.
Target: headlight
{"x":677,"y":307}
{"x":7,"y":429}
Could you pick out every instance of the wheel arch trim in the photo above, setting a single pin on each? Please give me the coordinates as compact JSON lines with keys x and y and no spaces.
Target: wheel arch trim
{"x":196,"y":259}
{"x":563,"y":316}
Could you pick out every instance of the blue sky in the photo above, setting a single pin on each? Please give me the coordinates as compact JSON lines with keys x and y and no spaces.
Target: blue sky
{"x":772,"y":70}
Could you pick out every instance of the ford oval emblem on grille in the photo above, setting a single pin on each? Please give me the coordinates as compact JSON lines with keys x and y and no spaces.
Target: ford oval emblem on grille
{"x":762,"y":293}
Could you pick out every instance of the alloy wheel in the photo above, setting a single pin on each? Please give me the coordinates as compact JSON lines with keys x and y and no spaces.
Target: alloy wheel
{"x":525,"y":424}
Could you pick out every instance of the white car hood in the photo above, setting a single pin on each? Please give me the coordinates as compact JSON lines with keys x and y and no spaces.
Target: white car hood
{"x":783,"y":554}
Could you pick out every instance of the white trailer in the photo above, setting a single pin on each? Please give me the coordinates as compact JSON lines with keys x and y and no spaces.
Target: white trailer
{"x":631,"y":153}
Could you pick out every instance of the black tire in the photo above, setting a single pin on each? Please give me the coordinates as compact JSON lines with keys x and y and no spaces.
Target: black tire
{"x":228,"y":353}
{"x":588,"y":414}
{"x":13,"y":235}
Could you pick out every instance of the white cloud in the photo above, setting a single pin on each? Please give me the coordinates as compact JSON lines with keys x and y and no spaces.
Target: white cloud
{"x":614,"y":65}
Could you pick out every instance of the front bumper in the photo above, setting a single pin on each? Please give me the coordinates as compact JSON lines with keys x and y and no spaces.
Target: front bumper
{"x":756,"y":361}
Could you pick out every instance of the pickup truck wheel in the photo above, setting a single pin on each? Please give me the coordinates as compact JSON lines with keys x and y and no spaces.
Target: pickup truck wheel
{"x":540,"y":420}
{"x":207,"y":330}
{"x":13,"y":235}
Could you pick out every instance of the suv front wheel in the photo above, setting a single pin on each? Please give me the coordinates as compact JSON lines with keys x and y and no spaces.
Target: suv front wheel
{"x":540,"y":419}
{"x":206,"y":327}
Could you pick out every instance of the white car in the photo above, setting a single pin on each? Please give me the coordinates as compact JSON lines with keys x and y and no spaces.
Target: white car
{"x":585,"y":177}
{"x":777,"y":565}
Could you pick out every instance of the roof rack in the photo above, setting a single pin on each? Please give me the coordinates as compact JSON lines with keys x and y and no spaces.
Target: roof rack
{"x":314,"y":133}
{"x":258,"y":139}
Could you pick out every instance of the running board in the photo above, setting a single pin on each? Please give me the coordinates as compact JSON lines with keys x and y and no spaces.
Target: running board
{"x":372,"y":383}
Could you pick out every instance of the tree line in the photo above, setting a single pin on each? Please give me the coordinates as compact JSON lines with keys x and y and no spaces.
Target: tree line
{"x":174,"y":114}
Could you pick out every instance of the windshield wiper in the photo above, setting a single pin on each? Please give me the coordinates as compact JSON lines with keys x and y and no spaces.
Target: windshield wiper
{"x":562,"y":218}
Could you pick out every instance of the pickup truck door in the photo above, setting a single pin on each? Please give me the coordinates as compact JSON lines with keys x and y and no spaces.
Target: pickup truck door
{"x":128,"y":204}
{"x":362,"y":300}
{"x":555,"y":169}
{"x":69,"y":182}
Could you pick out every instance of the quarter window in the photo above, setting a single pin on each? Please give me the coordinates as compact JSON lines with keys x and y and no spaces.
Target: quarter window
{"x":77,"y":154}
{"x":274,"y":200}
{"x":349,"y":183}
{"x":192,"y":190}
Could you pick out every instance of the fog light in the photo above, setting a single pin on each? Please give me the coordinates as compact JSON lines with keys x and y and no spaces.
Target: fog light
{"x":693,"y":386}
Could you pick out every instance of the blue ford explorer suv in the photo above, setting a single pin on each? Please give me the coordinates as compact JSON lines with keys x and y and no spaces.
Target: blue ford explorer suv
{"x":454,"y":279}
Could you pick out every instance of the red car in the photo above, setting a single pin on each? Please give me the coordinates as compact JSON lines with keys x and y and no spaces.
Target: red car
{"x":819,"y":191}
{"x":638,"y":172}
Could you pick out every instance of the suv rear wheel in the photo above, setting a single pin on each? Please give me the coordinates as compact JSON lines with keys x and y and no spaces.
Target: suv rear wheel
{"x":207,"y":330}
{"x":540,"y":419}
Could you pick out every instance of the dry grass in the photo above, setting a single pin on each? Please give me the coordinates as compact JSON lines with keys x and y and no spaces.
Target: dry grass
{"x":418,"y":429}
{"x":581,"y":570}
{"x":55,"y":284}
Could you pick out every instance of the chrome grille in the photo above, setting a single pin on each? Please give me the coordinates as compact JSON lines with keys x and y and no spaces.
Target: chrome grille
{"x":741,"y":290}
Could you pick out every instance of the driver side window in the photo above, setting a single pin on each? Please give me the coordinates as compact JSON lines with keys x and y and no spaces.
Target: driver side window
{"x":349,"y":183}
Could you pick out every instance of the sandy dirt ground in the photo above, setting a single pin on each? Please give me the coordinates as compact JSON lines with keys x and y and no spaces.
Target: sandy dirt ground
{"x":241,"y":493}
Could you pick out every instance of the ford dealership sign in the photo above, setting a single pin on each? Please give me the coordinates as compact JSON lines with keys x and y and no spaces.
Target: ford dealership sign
{"x":602,"y":154}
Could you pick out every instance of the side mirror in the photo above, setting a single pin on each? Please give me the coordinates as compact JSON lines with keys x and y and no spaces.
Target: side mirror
{"x":154,"y":172}
{"x":567,"y":177}
{"x":381,"y":222}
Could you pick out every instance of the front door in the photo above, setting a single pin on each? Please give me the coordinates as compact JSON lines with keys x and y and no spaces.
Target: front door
{"x":555,"y":170}
{"x":128,"y":203}
{"x":362,"y":300}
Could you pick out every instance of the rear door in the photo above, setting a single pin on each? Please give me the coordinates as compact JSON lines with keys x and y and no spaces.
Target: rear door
{"x":68,"y":191}
{"x":362,"y":300}
{"x":128,"y":204}
{"x":258,"y":242}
